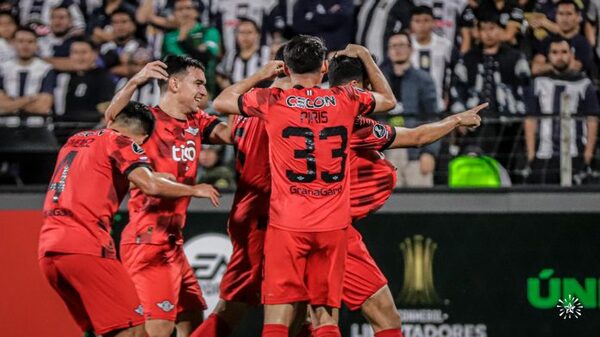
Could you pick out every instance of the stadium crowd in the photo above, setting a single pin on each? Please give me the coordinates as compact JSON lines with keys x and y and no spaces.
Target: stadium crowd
{"x":61,"y":61}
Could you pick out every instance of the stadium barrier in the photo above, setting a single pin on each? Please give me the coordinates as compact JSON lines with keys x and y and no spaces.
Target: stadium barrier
{"x":459,"y":264}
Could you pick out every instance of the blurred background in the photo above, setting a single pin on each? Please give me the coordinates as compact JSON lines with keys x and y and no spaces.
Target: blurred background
{"x":504,"y":216}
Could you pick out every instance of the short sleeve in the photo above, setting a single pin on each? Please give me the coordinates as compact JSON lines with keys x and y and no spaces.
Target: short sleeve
{"x":126,"y":154}
{"x":48,"y":83}
{"x":590,"y":105}
{"x":206,"y":125}
{"x":369,"y":134}
{"x":363,"y":98}
{"x":255,"y":102}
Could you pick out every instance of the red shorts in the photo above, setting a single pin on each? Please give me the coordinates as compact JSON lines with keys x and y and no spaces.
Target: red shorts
{"x":164,"y":280}
{"x":242,"y":279}
{"x":363,"y":278}
{"x":302,"y":266}
{"x":97,"y":291}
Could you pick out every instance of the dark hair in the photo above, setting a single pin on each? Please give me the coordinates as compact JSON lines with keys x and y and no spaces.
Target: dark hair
{"x":279,"y":57}
{"x":26,"y":29}
{"x":83,"y":39}
{"x":179,"y":64}
{"x":489,"y":18}
{"x":558,"y":39}
{"x":403,"y":33}
{"x":420,"y":10}
{"x":136,"y":117}
{"x":304,"y":54}
{"x":250,"y":21}
{"x":343,"y":69}
{"x":8,"y":13}
{"x":62,"y":6}
{"x":568,"y":2}
{"x":122,"y":10}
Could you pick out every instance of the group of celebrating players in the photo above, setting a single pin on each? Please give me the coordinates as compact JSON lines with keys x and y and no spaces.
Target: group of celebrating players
{"x":308,"y":164}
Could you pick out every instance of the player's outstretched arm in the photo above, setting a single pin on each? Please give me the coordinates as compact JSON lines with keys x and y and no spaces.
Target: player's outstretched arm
{"x":153,"y":70}
{"x":159,"y":185}
{"x":227,"y":101}
{"x":430,"y":132}
{"x":382,"y":92}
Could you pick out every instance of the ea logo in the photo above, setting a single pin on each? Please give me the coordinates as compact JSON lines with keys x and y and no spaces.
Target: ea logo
{"x":209,"y":255}
{"x":185,"y":152}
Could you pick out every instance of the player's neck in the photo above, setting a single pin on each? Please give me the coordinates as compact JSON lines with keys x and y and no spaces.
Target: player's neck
{"x":169,"y":105}
{"x":306,"y":80}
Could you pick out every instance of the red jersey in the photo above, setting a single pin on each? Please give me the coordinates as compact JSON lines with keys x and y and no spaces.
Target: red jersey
{"x":88,"y":184}
{"x":251,"y":144}
{"x":308,"y":132}
{"x":373,"y":178}
{"x":173,"y":148}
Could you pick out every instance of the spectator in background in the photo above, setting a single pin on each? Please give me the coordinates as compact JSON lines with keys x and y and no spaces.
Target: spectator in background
{"x":592,"y":28}
{"x":568,"y":20}
{"x":431,"y":52}
{"x":98,"y":27}
{"x":226,"y":15}
{"x":331,"y":20}
{"x":251,"y":56}
{"x":8,"y":27}
{"x":194,"y":39}
{"x":211,"y":169}
{"x":508,"y":12}
{"x":417,"y":101}
{"x":446,"y":14}
{"x":377,"y":21}
{"x":82,"y":95}
{"x":37,"y":14}
{"x":26,"y":87}
{"x":125,"y":55}
{"x":497,"y":74}
{"x":559,"y":88}
{"x":54,"y":47}
{"x":157,"y":16}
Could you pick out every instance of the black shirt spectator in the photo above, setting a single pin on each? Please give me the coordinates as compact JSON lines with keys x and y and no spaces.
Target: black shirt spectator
{"x":330,"y":20}
{"x":81,"y":96}
{"x":98,"y":27}
{"x":568,"y":20}
{"x":497,"y":74}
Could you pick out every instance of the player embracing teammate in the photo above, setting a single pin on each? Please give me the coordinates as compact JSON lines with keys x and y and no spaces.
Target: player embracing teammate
{"x":308,"y":130}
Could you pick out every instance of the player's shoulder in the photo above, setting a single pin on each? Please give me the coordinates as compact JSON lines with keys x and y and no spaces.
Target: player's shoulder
{"x":347,"y":90}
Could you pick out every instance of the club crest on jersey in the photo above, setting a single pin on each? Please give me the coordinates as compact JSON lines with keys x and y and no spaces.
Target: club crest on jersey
{"x":185,"y":152}
{"x":192,"y":131}
{"x":139,"y":310}
{"x":379,"y":131}
{"x":136,"y":148}
{"x":165,"y":305}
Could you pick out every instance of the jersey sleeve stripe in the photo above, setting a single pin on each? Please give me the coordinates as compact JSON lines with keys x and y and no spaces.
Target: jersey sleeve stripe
{"x":240,"y":103}
{"x":391,"y":140}
{"x":136,"y":165}
{"x":208,"y":130}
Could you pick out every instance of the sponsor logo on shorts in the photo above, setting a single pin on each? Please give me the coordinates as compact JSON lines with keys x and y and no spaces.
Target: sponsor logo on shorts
{"x":166,"y":306}
{"x":209,"y":255}
{"x":140,"y":310}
